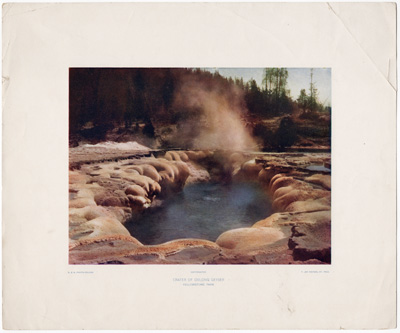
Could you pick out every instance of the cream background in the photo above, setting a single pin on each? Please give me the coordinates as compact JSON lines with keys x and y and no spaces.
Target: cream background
{"x":40,"y":43}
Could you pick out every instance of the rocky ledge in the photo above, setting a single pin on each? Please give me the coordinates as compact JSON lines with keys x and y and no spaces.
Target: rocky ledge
{"x":105,"y":194}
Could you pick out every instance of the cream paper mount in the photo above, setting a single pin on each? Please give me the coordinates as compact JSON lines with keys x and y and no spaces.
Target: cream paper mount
{"x":42,"y":41}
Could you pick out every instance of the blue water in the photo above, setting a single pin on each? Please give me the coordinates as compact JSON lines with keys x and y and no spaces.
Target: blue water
{"x":203,"y":211}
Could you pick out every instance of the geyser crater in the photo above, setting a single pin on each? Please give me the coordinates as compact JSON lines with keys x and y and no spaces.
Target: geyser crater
{"x":202,"y":211}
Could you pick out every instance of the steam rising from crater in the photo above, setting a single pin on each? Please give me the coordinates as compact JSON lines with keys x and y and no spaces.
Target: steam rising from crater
{"x":213,"y":117}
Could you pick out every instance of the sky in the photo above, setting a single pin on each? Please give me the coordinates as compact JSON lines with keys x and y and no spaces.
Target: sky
{"x":299,"y":78}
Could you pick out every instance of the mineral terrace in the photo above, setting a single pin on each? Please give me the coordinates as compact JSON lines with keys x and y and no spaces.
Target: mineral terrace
{"x":105,"y":193}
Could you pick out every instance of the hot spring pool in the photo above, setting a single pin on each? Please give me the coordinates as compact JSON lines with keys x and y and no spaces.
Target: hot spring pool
{"x":203,"y":211}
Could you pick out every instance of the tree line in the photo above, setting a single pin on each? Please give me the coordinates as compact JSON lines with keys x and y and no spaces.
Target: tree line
{"x":105,"y":98}
{"x":101,"y":99}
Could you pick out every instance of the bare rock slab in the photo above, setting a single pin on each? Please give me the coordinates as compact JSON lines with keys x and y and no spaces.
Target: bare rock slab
{"x":311,"y":242}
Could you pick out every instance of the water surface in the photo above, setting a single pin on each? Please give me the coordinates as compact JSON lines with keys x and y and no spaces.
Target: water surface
{"x":318,"y":168}
{"x":203,"y":211}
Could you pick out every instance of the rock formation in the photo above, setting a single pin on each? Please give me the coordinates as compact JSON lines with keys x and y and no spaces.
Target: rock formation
{"x":105,"y":194}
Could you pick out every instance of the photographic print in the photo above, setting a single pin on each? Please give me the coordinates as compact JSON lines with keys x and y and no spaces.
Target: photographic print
{"x":168,"y":166}
{"x":200,"y":165}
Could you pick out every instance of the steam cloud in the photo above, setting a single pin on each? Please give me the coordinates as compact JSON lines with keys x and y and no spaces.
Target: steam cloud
{"x":212,"y":117}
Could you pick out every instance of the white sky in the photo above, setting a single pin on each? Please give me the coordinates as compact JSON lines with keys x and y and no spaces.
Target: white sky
{"x":299,"y":78}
